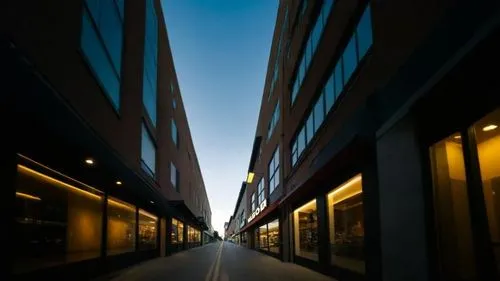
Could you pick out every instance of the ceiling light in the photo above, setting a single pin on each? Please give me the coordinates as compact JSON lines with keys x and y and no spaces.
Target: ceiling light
{"x":89,"y":161}
{"x":457,"y":137}
{"x":118,"y":183}
{"x":250,"y":177}
{"x":151,"y":202}
{"x":490,"y":127}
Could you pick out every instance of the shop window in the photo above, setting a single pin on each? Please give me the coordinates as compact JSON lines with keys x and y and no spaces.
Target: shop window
{"x":256,"y":238}
{"x":177,"y":234}
{"x":452,"y":209}
{"x":487,"y":134}
{"x":58,"y":220}
{"x":273,"y":230}
{"x":147,"y":230}
{"x":193,"y":235}
{"x":305,"y":221}
{"x":263,"y":242}
{"x":346,"y":224}
{"x":121,"y":227}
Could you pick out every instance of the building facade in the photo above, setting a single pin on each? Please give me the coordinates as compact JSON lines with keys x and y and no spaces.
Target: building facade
{"x":99,"y":164}
{"x":376,"y":154}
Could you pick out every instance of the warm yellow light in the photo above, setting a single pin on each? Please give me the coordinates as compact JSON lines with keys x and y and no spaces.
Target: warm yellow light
{"x":89,"y":161}
{"x":142,"y":212}
{"x":349,"y":189}
{"x":118,"y":183}
{"x":28,"y":196}
{"x":457,"y":137}
{"x":57,"y":182}
{"x":250,"y":177}
{"x":490,"y":127}
{"x":309,"y":205}
{"x":120,"y":204}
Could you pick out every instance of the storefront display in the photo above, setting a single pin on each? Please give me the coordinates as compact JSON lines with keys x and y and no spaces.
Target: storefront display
{"x":305,"y":221}
{"x":346,"y":223}
{"x":121,"y":227}
{"x":177,"y":233}
{"x":147,"y":230}
{"x":273,"y":229}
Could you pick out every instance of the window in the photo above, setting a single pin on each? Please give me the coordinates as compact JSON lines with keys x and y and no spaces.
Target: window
{"x":274,"y":120}
{"x":121,"y":227}
{"x":175,"y":136}
{"x":319,"y":112}
{"x":273,"y":230}
{"x":58,"y":220}
{"x":274,"y":165}
{"x":347,"y":227}
{"x":487,"y":135}
{"x":101,"y":43}
{"x":174,"y":176}
{"x":263,"y":237}
{"x":149,"y":85}
{"x":278,"y":55}
{"x":148,"y":152}
{"x":452,"y":209}
{"x":253,"y":202}
{"x":305,"y":228}
{"x":177,"y":234}
{"x":174,"y":103}
{"x":147,"y":230}
{"x":260,"y":190}
{"x":310,"y":128}
{"x":310,"y":45}
{"x":194,"y":237}
{"x":353,"y":53}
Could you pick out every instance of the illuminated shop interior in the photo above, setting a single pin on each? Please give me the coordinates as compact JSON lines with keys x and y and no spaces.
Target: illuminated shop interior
{"x":305,"y":222}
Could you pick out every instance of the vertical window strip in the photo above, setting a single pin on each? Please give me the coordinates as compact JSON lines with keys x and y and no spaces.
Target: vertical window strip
{"x":310,"y":47}
{"x":354,"y":52}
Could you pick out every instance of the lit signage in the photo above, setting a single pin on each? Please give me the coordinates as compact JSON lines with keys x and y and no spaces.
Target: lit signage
{"x":257,"y":211}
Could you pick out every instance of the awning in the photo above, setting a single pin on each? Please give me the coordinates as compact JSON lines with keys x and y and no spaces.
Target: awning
{"x":263,"y":214}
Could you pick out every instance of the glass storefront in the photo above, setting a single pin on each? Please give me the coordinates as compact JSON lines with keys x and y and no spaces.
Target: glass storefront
{"x":148,"y":225}
{"x":273,"y":230}
{"x":263,"y":237}
{"x":305,"y":228}
{"x":487,"y":134}
{"x":58,"y":220}
{"x":452,"y":208}
{"x":177,"y":233}
{"x":194,"y":236}
{"x":121,"y":227}
{"x":346,"y":225}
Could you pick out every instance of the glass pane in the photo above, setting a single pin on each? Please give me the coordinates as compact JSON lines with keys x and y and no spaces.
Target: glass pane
{"x":326,"y":9}
{"x":310,"y":128}
{"x":121,"y":227}
{"x":148,"y":151}
{"x":256,"y":238}
{"x":149,"y":97}
{"x":273,"y":236}
{"x":339,"y":82}
{"x":329,"y":94}
{"x":319,"y":112}
{"x":488,"y":148}
{"x":56,"y":222}
{"x":347,"y":226}
{"x":173,"y":175}
{"x":301,"y":140}
{"x":263,"y":241}
{"x":316,"y":33}
{"x":451,"y":205}
{"x":147,"y":230}
{"x":295,"y":90}
{"x":174,"y":132}
{"x":364,"y":32}
{"x":110,"y":27}
{"x":350,"y":59}
{"x":305,"y":228}
{"x":98,"y":60}
{"x":94,"y":8}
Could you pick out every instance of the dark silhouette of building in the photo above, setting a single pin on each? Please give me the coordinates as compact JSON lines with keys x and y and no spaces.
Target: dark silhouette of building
{"x":376,"y":148}
{"x":99,"y":168}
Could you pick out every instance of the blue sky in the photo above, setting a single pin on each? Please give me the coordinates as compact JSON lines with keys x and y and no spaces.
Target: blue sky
{"x":221,"y":50}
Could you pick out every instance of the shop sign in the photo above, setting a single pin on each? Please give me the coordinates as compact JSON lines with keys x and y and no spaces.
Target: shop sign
{"x":257,"y":211}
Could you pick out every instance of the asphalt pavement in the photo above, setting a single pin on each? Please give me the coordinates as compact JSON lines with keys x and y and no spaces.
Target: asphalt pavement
{"x":221,"y":261}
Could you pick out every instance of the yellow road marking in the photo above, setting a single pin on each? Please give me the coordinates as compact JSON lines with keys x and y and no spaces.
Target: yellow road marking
{"x":215,"y":277}
{"x":210,"y":271}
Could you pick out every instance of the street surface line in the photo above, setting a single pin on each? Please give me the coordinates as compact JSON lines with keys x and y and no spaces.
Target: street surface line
{"x":210,"y":271}
{"x":215,"y":277}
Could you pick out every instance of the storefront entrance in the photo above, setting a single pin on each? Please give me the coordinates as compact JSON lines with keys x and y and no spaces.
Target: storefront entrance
{"x":465,"y":170}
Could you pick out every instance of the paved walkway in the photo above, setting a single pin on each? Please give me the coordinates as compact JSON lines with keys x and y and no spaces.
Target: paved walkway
{"x":221,"y":261}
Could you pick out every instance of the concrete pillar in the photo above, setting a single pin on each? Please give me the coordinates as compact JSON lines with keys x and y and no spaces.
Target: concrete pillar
{"x":402,"y":210}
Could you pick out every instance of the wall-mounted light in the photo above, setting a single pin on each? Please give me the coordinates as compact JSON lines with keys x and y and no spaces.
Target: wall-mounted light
{"x":490,"y":127}
{"x":250,"y":177}
{"x":89,"y":161}
{"x":28,"y":196}
{"x":118,"y":183}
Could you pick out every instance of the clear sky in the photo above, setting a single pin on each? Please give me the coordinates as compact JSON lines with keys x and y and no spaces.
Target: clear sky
{"x":221,"y":50}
